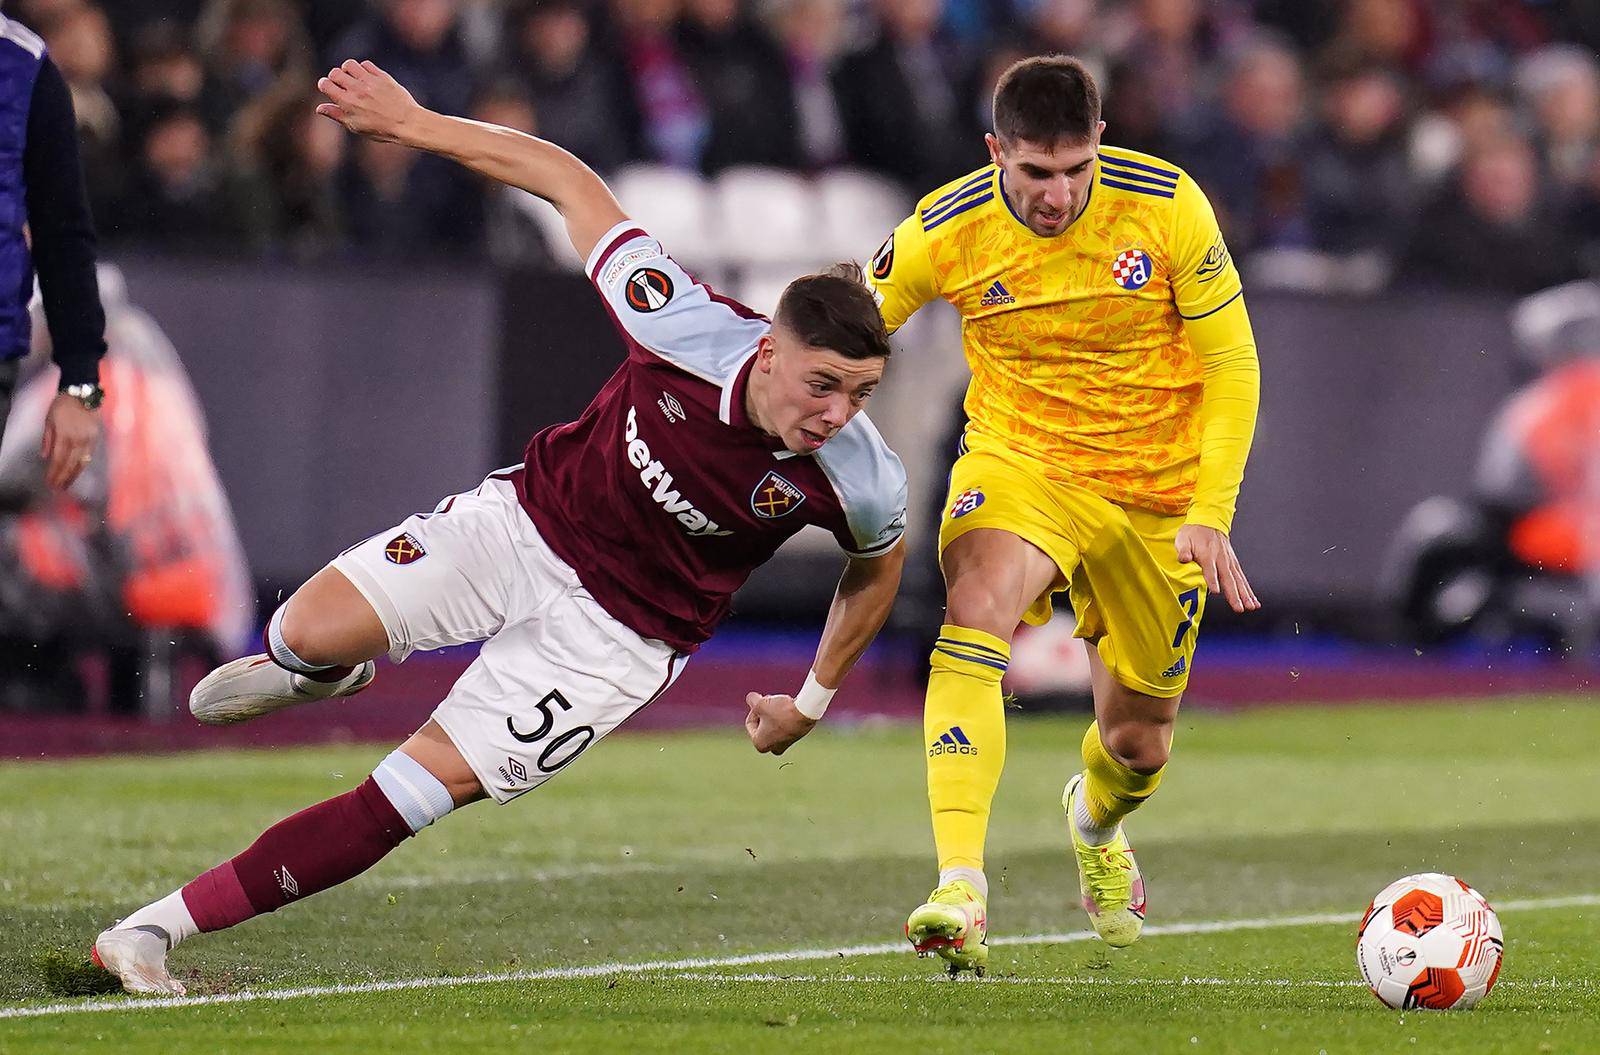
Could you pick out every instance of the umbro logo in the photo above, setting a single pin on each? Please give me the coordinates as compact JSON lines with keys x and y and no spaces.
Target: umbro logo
{"x":996,"y":295}
{"x":1176,"y":669}
{"x":286,"y":882}
{"x":517,"y":773}
{"x":671,"y":408}
{"x":951,"y":742}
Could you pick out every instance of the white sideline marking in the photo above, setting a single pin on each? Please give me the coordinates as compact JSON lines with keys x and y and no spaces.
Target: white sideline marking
{"x":1220,"y":926}
{"x":1141,"y":983}
{"x":1013,"y":979}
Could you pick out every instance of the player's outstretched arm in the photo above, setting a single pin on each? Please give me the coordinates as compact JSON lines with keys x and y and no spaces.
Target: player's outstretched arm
{"x":369,"y":102}
{"x":862,"y":602}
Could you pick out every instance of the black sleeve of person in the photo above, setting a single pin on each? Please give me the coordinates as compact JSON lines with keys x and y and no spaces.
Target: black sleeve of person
{"x":63,"y":231}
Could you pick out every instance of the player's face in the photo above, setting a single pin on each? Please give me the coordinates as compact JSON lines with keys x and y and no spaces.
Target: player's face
{"x":805,"y":395}
{"x":1048,"y":183}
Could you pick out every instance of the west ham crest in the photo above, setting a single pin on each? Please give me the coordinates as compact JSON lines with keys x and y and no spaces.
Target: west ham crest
{"x":403,"y":549}
{"x":775,"y":497}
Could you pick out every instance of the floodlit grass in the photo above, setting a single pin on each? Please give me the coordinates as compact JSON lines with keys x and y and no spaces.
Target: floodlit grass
{"x":668,"y":847}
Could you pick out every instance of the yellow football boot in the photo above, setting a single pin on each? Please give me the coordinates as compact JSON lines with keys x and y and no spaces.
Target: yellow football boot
{"x":954,"y":922}
{"x":1109,"y":879}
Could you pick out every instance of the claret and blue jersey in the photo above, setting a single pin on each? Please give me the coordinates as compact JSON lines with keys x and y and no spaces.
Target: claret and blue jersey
{"x":664,"y":496}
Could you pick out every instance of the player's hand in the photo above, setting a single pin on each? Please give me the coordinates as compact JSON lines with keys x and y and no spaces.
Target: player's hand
{"x":1211,"y":549}
{"x":71,"y":433}
{"x":774,"y":724}
{"x":368,"y":101}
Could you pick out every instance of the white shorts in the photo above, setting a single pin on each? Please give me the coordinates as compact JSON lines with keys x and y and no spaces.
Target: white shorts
{"x":556,"y":672}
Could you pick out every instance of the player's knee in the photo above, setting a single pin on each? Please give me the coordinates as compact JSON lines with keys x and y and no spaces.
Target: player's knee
{"x":299,"y":632}
{"x":974,"y":604}
{"x":1143,"y":747}
{"x":416,"y":793}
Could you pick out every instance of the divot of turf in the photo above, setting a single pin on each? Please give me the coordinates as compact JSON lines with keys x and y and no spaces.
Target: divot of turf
{"x":68,"y":972}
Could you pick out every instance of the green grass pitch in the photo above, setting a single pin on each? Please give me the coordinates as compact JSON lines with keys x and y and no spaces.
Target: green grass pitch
{"x":742,"y":877}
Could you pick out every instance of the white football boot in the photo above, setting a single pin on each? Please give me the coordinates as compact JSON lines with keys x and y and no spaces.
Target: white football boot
{"x":250,"y":687}
{"x":138,"y":957}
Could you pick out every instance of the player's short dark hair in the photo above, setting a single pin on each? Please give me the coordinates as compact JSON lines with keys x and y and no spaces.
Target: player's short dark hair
{"x":1046,"y":99}
{"x":834,"y":309}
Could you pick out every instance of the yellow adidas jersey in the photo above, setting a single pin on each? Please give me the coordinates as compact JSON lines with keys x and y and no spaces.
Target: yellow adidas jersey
{"x":1076,"y":342}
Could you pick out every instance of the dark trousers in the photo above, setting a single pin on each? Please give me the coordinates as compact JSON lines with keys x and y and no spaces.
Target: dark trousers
{"x":8,"y":382}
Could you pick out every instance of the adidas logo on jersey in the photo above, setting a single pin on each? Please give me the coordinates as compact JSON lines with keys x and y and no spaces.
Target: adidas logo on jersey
{"x":658,"y":481}
{"x":996,"y":295}
{"x":1176,"y":669}
{"x":951,"y":742}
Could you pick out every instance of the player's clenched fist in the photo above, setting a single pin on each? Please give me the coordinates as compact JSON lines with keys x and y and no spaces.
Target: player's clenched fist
{"x":774,"y":724}
{"x":367,"y":101}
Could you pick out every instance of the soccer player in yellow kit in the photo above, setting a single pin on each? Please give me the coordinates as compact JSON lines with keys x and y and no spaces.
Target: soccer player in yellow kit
{"x":1113,"y":399}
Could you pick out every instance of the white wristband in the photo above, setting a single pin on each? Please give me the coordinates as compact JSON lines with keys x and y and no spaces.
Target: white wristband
{"x":813,"y":699}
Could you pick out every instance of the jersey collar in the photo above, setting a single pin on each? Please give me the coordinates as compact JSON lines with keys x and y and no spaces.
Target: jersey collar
{"x":731,"y":409}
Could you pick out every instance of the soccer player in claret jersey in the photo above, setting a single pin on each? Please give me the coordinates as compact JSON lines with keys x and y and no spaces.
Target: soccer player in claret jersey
{"x":591,"y":570}
{"x":1112,"y":403}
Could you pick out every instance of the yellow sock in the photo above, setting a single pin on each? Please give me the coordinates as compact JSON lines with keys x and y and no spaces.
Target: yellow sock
{"x":964,"y":723}
{"x":1111,"y":790}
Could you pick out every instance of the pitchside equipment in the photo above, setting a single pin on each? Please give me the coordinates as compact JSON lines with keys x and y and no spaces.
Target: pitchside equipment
{"x":1429,"y":941}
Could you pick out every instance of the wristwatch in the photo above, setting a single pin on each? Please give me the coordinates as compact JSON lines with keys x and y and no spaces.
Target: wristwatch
{"x":90,"y":395}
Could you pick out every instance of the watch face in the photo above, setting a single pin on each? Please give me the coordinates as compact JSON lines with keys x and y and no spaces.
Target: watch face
{"x":90,"y":396}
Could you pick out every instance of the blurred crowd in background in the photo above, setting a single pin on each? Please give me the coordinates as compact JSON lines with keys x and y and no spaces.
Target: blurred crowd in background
{"x":1451,"y":142}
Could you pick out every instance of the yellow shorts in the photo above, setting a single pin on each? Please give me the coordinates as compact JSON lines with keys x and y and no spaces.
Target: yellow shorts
{"x":1134,"y":601}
